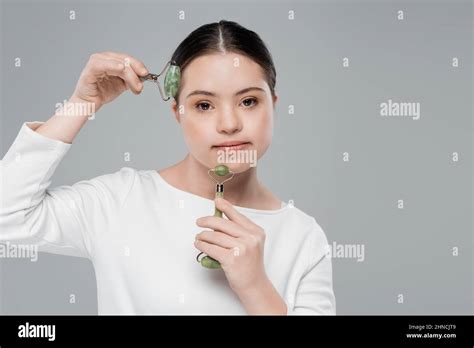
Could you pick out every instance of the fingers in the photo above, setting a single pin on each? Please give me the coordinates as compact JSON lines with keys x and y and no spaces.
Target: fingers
{"x":134,"y":68}
{"x":132,"y":80}
{"x":99,"y":66}
{"x":237,"y":224}
{"x":216,"y":252}
{"x":218,"y":238}
{"x":228,"y":209}
{"x":102,"y":64}
{"x":137,"y":65}
{"x":219,"y":224}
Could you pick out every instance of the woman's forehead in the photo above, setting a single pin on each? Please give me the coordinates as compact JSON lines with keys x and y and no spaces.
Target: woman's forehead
{"x":222,"y":73}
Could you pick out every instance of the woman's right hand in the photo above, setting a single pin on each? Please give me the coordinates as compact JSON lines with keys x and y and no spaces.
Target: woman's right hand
{"x":106,"y":76}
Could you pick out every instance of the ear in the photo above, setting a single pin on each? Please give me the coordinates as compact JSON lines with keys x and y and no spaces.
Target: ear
{"x":175,"y":109}
{"x":275,"y":99}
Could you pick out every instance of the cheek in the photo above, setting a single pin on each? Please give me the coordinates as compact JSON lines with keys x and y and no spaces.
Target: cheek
{"x":262,"y":132}
{"x":196,"y":133}
{"x":262,"y":127}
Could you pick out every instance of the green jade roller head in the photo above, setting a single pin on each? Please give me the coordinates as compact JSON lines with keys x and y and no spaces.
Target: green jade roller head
{"x":172,"y":80}
{"x":221,"y":171}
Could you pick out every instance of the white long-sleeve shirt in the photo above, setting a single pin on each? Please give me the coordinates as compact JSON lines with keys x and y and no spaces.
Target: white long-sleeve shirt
{"x":138,"y":230}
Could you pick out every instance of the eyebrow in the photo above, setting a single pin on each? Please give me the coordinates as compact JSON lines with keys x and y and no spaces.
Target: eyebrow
{"x":245,"y":90}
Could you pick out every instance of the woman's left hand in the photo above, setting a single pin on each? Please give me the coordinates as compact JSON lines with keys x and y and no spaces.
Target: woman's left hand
{"x":237,"y":243}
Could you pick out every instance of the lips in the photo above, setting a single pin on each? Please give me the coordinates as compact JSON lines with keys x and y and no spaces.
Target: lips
{"x":231,"y":145}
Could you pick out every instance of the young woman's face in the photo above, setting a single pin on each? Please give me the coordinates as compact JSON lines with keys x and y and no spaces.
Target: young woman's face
{"x":224,"y":98}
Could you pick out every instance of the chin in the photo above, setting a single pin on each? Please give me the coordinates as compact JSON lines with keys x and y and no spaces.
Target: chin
{"x":237,"y":168}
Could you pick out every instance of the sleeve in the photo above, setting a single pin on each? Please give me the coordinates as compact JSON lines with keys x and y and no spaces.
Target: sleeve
{"x":60,"y":220}
{"x":314,"y":294}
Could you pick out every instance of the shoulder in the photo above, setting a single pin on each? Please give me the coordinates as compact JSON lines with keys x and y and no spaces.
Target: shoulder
{"x":310,"y":231}
{"x":123,"y":176}
{"x":310,"y":224}
{"x":115,"y":185}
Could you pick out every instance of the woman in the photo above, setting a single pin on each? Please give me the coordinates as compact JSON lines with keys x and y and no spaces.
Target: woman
{"x":143,"y":228}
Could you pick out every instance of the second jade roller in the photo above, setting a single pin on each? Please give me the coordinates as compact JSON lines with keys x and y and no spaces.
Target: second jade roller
{"x":220,"y":171}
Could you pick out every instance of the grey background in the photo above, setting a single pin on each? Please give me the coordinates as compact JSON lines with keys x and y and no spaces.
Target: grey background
{"x":336,"y":110}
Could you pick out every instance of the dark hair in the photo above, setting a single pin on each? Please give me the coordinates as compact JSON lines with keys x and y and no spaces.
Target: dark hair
{"x":225,"y":36}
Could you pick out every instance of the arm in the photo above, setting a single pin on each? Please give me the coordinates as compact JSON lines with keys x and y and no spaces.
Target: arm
{"x":314,"y":293}
{"x":29,"y":213}
{"x":57,"y":219}
{"x":263,"y":298}
{"x":64,"y":128}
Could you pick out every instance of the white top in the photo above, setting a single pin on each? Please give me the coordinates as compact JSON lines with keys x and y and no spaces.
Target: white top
{"x":138,"y":230}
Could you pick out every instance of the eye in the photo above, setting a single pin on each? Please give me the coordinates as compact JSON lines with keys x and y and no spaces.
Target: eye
{"x":205,"y":105}
{"x":250,"y":102}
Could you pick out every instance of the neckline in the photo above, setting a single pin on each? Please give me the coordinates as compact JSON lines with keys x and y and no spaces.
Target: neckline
{"x":158,"y":176}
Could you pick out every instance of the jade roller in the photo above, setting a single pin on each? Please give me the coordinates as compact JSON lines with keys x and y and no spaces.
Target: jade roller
{"x":172,"y":79}
{"x":221,"y":171}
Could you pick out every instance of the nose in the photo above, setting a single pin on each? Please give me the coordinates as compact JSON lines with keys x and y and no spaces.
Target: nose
{"x":229,"y":122}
